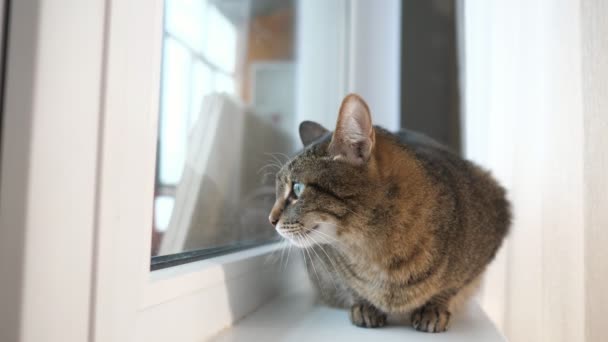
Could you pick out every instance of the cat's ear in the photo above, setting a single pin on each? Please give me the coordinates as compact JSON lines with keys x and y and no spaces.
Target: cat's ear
{"x":354,"y":137}
{"x":311,"y":131}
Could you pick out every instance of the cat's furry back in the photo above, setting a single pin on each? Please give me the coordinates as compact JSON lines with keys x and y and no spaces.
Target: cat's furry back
{"x":413,"y":226}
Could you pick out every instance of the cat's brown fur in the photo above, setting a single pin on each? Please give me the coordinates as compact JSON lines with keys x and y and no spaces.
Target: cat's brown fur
{"x":392,"y":223}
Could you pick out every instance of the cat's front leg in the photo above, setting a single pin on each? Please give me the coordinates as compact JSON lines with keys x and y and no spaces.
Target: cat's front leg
{"x":436,"y":314}
{"x":365,"y":315}
{"x":431,"y":317}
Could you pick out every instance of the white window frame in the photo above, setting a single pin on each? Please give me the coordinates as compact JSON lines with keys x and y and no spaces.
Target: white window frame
{"x":186,"y":302}
{"x":77,"y":181}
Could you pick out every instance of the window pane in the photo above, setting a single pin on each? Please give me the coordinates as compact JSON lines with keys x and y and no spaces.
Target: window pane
{"x":202,"y":84}
{"x":220,"y":43}
{"x":174,"y":111}
{"x":185,"y":21}
{"x":162,"y":214}
{"x":227,"y":110}
{"x":224,"y":84}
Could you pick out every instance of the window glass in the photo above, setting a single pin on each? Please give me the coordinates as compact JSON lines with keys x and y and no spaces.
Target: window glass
{"x":227,"y":107}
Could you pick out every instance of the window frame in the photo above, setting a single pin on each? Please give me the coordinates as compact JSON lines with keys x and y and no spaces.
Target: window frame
{"x":93,"y":267}
{"x":129,"y":301}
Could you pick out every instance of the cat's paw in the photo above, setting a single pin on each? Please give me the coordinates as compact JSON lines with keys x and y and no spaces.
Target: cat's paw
{"x":431,"y":318}
{"x":367,"y":316}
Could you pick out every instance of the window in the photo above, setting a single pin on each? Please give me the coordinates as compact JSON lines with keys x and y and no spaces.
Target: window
{"x":109,"y":74}
{"x":226,"y":120}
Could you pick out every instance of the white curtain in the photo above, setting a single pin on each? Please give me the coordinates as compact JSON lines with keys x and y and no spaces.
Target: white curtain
{"x":535,"y":114}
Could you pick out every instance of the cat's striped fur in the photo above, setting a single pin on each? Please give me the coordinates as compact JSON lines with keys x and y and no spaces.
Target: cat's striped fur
{"x":393,"y":223}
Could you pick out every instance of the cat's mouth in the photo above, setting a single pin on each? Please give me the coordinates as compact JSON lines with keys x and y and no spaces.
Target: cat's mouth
{"x":299,"y":236}
{"x":321,"y":233}
{"x":295,"y":232}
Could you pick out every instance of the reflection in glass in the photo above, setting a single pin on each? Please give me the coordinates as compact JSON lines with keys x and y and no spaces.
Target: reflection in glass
{"x":226,"y":111}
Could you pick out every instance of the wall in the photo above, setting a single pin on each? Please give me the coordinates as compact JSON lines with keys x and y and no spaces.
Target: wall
{"x":534,"y":116}
{"x":375,"y":58}
{"x":348,"y":46}
{"x":321,"y":60}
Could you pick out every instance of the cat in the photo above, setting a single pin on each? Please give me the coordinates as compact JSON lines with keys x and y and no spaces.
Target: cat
{"x":397,"y":223}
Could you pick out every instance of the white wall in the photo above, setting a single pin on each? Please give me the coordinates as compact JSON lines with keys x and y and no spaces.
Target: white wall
{"x":348,"y":46}
{"x":375,"y":58}
{"x":321,"y":62}
{"x":535,"y":74}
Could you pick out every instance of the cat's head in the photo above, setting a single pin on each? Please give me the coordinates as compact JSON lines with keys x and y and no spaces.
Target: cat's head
{"x":319,"y":190}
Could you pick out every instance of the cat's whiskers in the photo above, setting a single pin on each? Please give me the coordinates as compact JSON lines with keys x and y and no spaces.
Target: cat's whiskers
{"x":273,"y":155}
{"x":324,"y":239}
{"x":288,"y":159}
{"x":298,"y":238}
{"x":312,"y":263}
{"x":314,"y":243}
{"x":307,"y":241}
{"x":272,"y":257}
{"x":330,"y":240}
{"x":288,"y":252}
{"x":333,"y":280}
{"x":311,"y":234}
{"x":277,"y":254}
{"x":325,"y":234}
{"x":282,"y":155}
{"x":285,"y":245}
{"x":275,"y":163}
{"x":332,"y":224}
{"x":265,"y":176}
{"x":271,"y":164}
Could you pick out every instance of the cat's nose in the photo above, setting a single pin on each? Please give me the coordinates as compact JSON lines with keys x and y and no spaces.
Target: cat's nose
{"x":275,"y":212}
{"x":273,"y":220}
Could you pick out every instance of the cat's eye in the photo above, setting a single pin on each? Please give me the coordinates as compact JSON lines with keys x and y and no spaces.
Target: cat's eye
{"x":298,"y":188}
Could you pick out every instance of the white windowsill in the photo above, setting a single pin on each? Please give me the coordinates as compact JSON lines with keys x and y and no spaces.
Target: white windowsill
{"x":297,"y":318}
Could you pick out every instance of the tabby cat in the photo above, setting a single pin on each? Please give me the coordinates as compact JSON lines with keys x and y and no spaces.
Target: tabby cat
{"x":397,"y":223}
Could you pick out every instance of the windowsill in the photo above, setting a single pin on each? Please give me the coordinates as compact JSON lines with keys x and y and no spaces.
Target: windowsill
{"x":296,"y":318}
